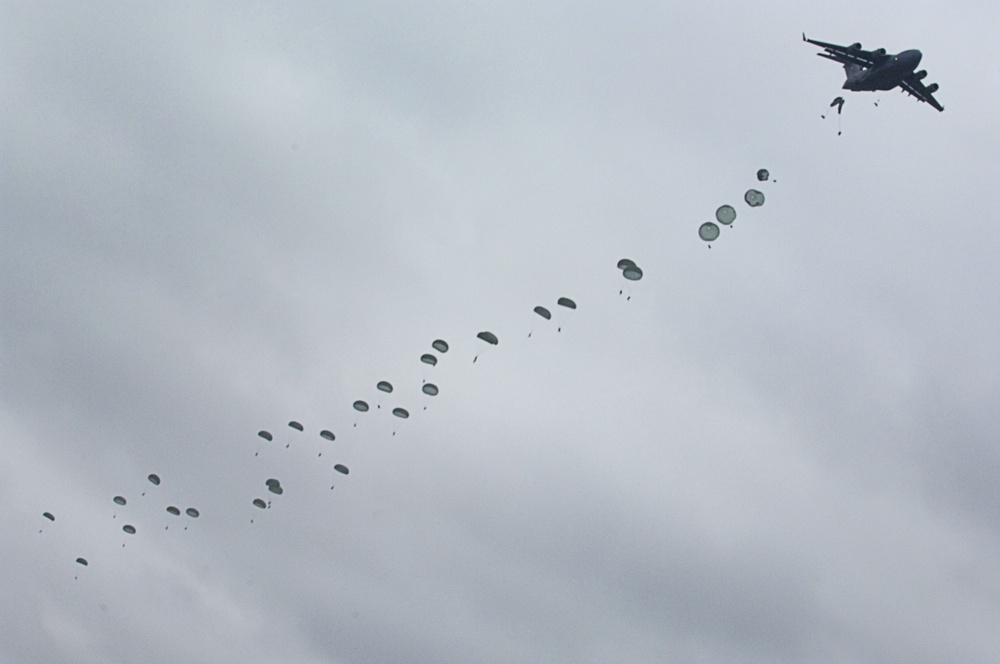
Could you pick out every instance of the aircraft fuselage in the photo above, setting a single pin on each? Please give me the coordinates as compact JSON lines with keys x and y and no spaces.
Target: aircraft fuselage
{"x":877,"y":70}
{"x":886,"y":75}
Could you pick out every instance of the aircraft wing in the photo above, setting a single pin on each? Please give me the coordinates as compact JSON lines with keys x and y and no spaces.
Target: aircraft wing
{"x":845,"y":54}
{"x":915,"y":87}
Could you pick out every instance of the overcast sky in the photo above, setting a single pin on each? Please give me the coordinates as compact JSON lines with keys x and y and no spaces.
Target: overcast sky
{"x":217,"y":220}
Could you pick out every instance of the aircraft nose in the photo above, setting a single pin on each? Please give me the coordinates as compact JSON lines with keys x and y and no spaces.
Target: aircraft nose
{"x":913,"y":57}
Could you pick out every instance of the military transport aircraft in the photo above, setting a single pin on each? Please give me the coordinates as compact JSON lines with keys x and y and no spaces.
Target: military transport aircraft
{"x":877,"y":70}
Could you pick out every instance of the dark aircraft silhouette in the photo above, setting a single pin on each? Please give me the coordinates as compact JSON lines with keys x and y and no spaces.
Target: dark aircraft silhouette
{"x":877,"y":70}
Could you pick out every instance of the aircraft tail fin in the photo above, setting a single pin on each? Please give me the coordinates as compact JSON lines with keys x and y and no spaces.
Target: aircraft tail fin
{"x":851,"y":68}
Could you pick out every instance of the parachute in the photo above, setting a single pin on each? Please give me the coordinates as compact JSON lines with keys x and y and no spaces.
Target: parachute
{"x":173,"y":510}
{"x":326,"y":434}
{"x":754,"y":198}
{"x":430,"y":389}
{"x":295,"y":425}
{"x":384,"y":386}
{"x":129,"y":529}
{"x":272,"y":482}
{"x":154,"y":479}
{"x":489,"y":338}
{"x":82,"y":561}
{"x":632,"y":273}
{"x":708,"y":231}
{"x":440,"y":345}
{"x":400,"y":412}
{"x":544,"y":313}
{"x":48,"y":515}
{"x":192,"y":512}
{"x":629,"y":269}
{"x":119,"y":500}
{"x":839,"y":103}
{"x":340,"y":468}
{"x":361,"y":407}
{"x":259,"y":503}
{"x":763,"y":175}
{"x":565,"y":302}
{"x":265,"y":435}
{"x":276,"y":490}
{"x":726,"y":214}
{"x":427,"y":358}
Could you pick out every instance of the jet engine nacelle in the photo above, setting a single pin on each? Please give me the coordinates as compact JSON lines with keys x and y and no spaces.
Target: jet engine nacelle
{"x":879,"y":52}
{"x":856,"y":46}
{"x":932,"y":88}
{"x":920,"y":74}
